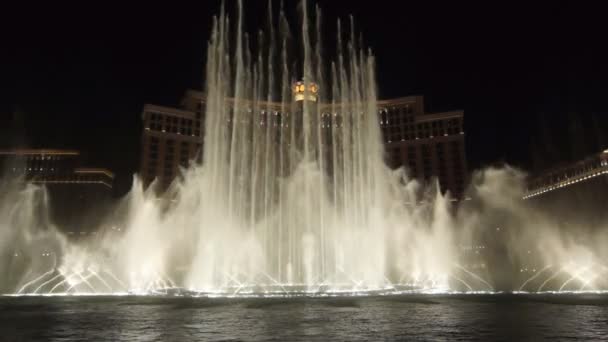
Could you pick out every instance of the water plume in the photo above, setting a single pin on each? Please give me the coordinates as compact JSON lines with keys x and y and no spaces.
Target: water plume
{"x":293,"y":196}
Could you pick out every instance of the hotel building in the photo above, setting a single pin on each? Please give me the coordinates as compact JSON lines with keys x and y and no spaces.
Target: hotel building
{"x":171,"y":139}
{"x":429,"y":145}
{"x":573,"y":190}
{"x":73,"y":191}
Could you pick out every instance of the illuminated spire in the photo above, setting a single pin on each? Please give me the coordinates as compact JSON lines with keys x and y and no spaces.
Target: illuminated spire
{"x":300,"y":93}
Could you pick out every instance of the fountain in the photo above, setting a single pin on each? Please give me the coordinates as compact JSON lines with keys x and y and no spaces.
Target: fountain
{"x":301,"y":197}
{"x":293,"y":196}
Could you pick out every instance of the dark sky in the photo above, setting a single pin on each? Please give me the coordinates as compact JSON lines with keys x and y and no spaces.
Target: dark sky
{"x":533,"y":81}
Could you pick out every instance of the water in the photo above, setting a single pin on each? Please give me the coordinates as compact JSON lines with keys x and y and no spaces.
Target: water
{"x":413,"y":317}
{"x":293,"y":192}
{"x":299,"y":185}
{"x":293,"y":197}
{"x":293,"y":200}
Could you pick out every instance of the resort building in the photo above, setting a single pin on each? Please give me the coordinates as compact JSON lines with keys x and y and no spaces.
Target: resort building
{"x":73,"y":191}
{"x":573,"y":190}
{"x":429,"y":145}
{"x":171,"y":139}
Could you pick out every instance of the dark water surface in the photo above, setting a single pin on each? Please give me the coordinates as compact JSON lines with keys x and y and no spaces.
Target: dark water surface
{"x":409,"y":317}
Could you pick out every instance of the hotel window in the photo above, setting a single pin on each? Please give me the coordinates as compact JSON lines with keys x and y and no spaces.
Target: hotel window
{"x":427,"y":170}
{"x":154,"y":143}
{"x":152,"y":168}
{"x":459,"y":125}
{"x":395,"y":156}
{"x":184,"y":154}
{"x":412,"y":168}
{"x":440,"y":149}
{"x":159,"y":122}
{"x":175,"y":125}
{"x":189,"y":127}
{"x":169,"y":149}
{"x":411,"y":152}
{"x":426,"y":153}
{"x":455,"y":149}
{"x":451,"y":127}
{"x":199,"y":153}
{"x":437,"y":131}
{"x":168,"y":172}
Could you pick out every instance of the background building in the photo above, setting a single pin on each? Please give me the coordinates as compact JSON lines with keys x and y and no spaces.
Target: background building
{"x":78,"y":196}
{"x":429,"y":145}
{"x":576,"y":190}
{"x":171,"y":139}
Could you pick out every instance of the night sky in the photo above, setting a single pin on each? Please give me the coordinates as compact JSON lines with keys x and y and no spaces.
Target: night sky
{"x":533,"y":81}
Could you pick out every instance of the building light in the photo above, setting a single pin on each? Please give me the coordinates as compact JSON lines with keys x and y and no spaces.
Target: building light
{"x":299,"y":91}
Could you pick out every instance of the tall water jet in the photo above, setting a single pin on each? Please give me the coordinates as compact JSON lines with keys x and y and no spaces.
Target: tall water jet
{"x":296,"y":168}
{"x":29,"y":243}
{"x":293,"y":193}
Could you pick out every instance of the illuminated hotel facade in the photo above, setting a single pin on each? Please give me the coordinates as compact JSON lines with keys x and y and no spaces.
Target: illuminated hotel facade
{"x":565,"y":176}
{"x":573,"y":190}
{"x":46,"y":166}
{"x":172,"y":138}
{"x":74,"y":191}
{"x":430,"y":146}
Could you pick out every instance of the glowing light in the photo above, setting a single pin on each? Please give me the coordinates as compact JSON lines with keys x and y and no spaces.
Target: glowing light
{"x":300,"y":93}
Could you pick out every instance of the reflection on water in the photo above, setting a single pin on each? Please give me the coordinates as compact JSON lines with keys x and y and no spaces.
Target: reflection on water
{"x":415,"y":317}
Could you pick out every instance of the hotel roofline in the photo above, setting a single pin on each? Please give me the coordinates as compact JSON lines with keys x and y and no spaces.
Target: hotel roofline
{"x":395,"y":102}
{"x":583,"y":170}
{"x":440,"y":115}
{"x":105,"y":176}
{"x":88,"y":170}
{"x":197,"y":94}
{"x":169,"y":110}
{"x":406,"y":130}
{"x":48,"y":181}
{"x":49,"y":152}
